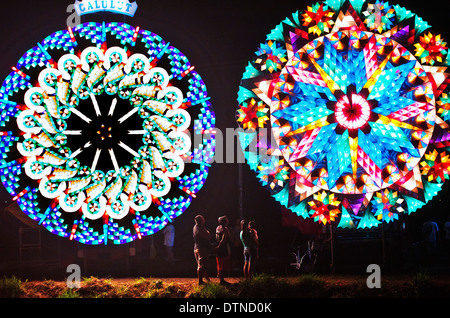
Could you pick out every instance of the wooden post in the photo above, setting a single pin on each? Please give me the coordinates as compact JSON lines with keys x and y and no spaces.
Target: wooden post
{"x":331,"y":248}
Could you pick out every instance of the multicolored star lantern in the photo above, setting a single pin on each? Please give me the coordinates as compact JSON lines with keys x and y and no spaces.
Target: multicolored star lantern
{"x":96,"y":139}
{"x":352,"y":127}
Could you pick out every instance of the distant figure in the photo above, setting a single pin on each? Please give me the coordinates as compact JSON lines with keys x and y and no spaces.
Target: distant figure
{"x":202,"y":246}
{"x":430,"y":231}
{"x":250,"y":249}
{"x":252,"y":229}
{"x":223,"y":250}
{"x":236,"y":229}
{"x":169,"y":240}
{"x":447,"y":234}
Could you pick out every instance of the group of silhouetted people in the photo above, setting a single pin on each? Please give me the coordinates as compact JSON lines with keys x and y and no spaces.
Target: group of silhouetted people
{"x":225,"y":240}
{"x":431,"y":235}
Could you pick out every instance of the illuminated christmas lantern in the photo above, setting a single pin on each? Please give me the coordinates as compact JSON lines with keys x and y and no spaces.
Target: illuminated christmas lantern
{"x":97,"y":133}
{"x":344,"y":112}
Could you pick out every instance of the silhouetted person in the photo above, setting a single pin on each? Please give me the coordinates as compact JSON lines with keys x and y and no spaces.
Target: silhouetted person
{"x":447,"y":234}
{"x":223,"y":250}
{"x":430,"y":232}
{"x":169,"y":240}
{"x":250,"y":244}
{"x":202,"y":246}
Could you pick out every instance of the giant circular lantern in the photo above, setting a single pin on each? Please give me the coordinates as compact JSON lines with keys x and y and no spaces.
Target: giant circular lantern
{"x":97,"y":138}
{"x":344,"y":112}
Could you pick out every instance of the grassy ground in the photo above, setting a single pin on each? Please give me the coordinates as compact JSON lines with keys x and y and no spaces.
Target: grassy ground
{"x":261,"y":286}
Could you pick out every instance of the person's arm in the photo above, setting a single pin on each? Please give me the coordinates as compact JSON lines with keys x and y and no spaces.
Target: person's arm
{"x":206,"y":236}
{"x":254,"y":237}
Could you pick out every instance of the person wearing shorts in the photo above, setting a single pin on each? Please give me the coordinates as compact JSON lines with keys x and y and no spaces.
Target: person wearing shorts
{"x":250,"y":243}
{"x":202,"y":246}
{"x":223,"y":250}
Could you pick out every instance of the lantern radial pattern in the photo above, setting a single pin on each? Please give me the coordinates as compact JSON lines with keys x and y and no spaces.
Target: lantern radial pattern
{"x":97,"y":133}
{"x":344,"y":112}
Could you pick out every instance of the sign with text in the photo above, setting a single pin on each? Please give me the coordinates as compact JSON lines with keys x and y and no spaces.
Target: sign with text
{"x":114,"y":6}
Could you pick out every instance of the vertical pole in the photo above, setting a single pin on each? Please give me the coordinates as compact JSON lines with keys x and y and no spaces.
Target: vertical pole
{"x":241,"y":195}
{"x":332,"y":248}
{"x":382,"y":244}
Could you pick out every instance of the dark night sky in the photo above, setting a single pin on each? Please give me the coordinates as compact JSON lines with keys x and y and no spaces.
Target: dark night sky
{"x":219,"y":38}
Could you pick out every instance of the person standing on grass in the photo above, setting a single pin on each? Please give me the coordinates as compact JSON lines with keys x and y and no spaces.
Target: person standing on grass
{"x":169,"y":240}
{"x":250,"y":249}
{"x":252,"y":229}
{"x":430,"y":231}
{"x":202,"y":246}
{"x":223,"y":250}
{"x":447,"y":234}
